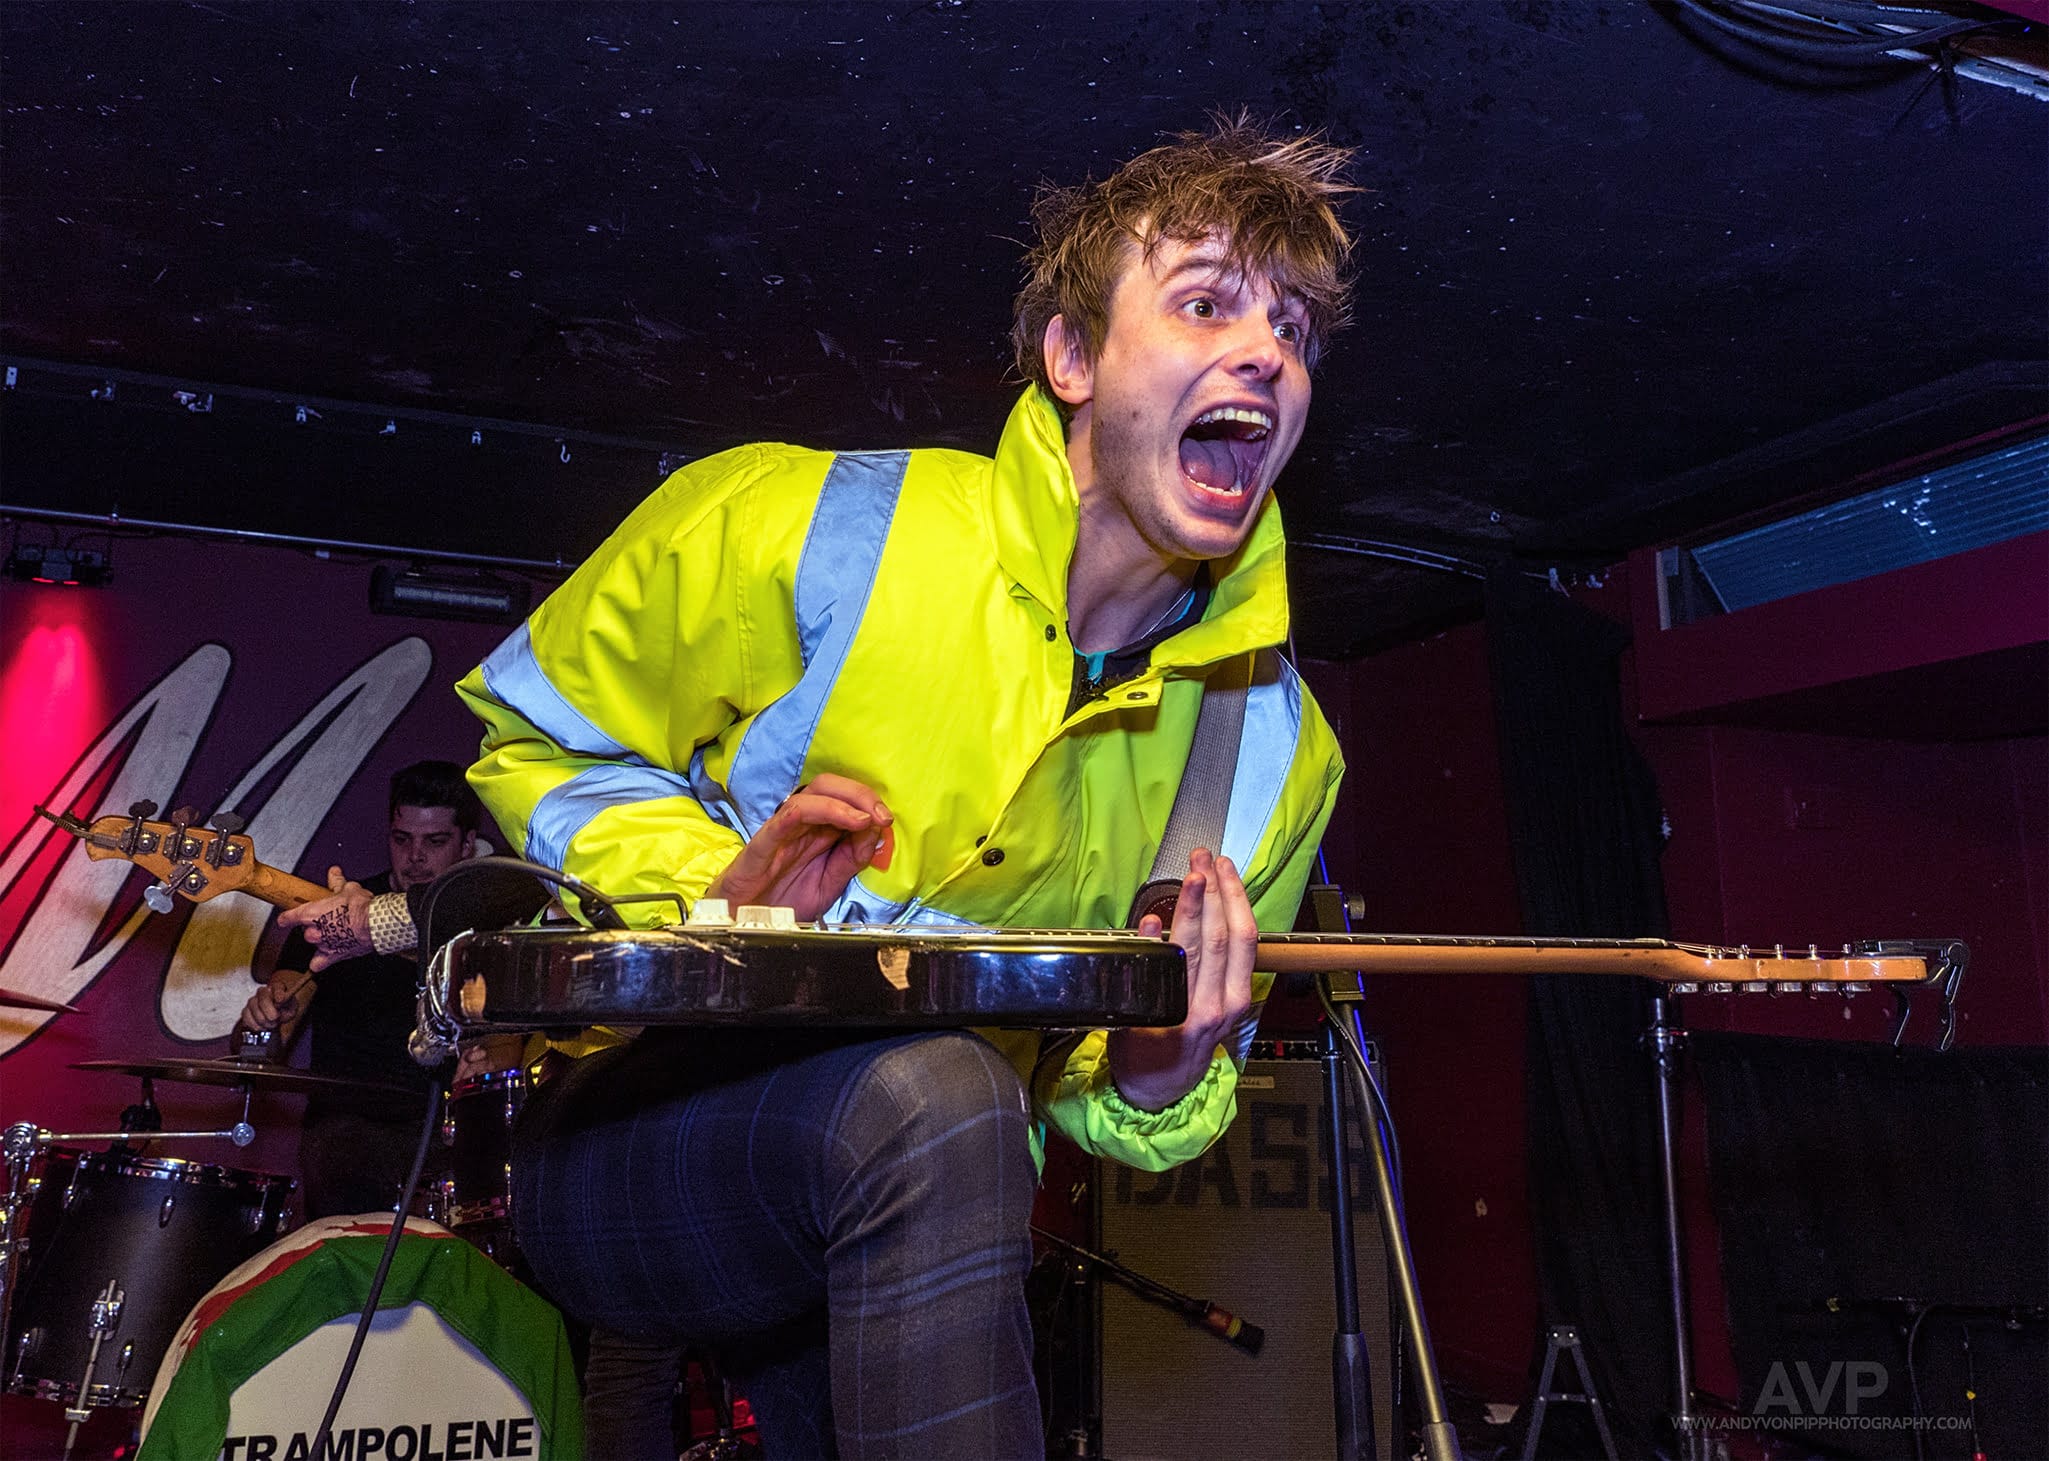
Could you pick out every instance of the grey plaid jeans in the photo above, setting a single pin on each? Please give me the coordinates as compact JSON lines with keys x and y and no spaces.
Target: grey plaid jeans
{"x":842,"y":1225}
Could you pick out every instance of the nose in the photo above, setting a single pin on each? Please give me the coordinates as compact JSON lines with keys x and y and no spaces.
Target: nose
{"x":1256,"y":353}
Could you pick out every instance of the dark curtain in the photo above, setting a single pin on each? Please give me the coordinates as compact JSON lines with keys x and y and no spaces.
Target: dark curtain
{"x":1584,"y":820}
{"x":1867,"y":1195}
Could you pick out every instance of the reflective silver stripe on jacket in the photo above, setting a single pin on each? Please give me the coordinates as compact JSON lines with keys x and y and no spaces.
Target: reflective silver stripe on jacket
{"x":515,"y":678}
{"x":834,"y":576}
{"x":835,"y":573}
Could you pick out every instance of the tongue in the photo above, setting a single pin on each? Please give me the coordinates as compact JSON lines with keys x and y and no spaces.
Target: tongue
{"x":1211,"y":463}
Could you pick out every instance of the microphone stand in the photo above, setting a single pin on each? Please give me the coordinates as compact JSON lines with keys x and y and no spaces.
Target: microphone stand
{"x":1203,"y":1314}
{"x":1440,"y":1440}
{"x":1344,"y":1036}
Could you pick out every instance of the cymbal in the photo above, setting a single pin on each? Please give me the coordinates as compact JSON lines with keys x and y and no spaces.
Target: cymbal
{"x":257,"y":1073}
{"x":35,"y":1002}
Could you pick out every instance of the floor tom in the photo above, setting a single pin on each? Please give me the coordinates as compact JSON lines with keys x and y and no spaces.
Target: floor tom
{"x":476,"y":1125}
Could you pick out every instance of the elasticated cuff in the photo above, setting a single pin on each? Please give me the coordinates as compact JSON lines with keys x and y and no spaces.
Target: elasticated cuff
{"x":391,"y":925}
{"x":1129,"y":1120}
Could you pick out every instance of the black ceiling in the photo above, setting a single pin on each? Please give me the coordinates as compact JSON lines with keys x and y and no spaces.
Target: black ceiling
{"x":1614,"y":284}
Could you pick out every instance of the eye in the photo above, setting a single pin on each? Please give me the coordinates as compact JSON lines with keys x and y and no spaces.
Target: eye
{"x":1290,"y":331}
{"x":1203,"y":309}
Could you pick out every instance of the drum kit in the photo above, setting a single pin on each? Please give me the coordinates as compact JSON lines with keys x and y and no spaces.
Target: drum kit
{"x":105,"y":1251}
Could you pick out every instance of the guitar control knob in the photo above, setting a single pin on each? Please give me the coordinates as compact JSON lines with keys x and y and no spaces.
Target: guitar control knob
{"x":761,"y":915}
{"x":709,"y":913}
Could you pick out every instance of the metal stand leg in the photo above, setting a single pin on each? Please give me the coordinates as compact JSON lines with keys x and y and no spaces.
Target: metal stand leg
{"x":1351,"y":1392}
{"x":19,"y":1148}
{"x":106,"y":1314}
{"x":1666,"y":1042}
{"x":1565,"y":1337}
{"x":1440,"y":1440}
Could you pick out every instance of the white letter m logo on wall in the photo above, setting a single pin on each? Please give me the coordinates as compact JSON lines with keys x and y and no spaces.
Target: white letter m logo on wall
{"x":53,"y":954}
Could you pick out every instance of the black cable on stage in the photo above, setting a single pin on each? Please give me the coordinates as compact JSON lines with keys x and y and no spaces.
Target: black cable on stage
{"x":604,"y":914}
{"x":323,"y":1444}
{"x":1348,"y":1030}
{"x":1914,"y":1381}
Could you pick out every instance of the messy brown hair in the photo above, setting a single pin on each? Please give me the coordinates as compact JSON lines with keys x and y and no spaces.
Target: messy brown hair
{"x":1272,"y":200}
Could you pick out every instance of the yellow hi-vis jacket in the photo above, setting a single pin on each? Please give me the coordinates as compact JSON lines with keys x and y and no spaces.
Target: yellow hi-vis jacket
{"x":772,"y":613}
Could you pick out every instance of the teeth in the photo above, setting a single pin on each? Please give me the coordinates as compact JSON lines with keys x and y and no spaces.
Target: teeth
{"x":1235,"y":413}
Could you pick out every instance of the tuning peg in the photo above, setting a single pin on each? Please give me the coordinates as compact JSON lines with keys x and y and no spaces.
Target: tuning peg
{"x":143,"y":808}
{"x":223,"y":852}
{"x":159,"y":897}
{"x":185,"y":816}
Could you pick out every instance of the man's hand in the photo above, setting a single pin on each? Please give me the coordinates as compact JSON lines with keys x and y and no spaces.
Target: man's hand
{"x":486,"y":1053}
{"x":338,"y":926}
{"x":279,"y":1002}
{"x":1213,"y":924}
{"x":804,"y":856}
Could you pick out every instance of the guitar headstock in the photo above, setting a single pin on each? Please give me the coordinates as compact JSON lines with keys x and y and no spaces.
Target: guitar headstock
{"x":192,"y":861}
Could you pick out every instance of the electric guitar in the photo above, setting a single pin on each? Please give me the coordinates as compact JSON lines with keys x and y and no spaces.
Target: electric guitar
{"x":925,"y":976}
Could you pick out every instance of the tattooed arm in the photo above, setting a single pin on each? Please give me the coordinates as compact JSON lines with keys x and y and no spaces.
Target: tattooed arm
{"x":338,"y":926}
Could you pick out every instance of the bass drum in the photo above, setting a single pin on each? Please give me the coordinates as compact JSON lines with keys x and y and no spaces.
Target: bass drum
{"x":159,"y":1231}
{"x":462,"y":1359}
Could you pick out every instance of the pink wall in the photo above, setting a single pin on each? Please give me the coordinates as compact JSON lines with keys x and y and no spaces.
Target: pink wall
{"x":236,"y":646}
{"x":1422,"y":833}
{"x":1776,"y":837}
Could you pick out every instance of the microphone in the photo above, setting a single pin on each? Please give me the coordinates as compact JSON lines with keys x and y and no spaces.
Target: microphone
{"x":1228,"y":1326}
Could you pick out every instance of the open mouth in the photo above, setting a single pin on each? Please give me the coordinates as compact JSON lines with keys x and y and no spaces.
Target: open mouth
{"x":1223,"y":448}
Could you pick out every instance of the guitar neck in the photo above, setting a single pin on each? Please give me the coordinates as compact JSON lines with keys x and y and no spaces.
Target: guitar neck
{"x":279,"y":888}
{"x":1373,"y":953}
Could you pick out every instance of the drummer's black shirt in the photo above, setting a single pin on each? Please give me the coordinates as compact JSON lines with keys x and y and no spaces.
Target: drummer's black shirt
{"x":358,"y":1023}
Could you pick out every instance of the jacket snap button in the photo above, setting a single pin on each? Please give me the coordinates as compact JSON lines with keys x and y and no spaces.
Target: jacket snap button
{"x":1049,"y":633}
{"x":1135,"y":695}
{"x":993,"y":856}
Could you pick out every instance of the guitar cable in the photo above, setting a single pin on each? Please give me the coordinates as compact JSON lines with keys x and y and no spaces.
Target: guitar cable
{"x":604,"y":914}
{"x":323,"y":1440}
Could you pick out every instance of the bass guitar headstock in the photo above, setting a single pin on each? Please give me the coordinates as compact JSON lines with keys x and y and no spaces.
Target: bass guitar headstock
{"x":188,"y":860}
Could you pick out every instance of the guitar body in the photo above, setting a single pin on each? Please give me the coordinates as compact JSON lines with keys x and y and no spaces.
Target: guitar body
{"x":901,"y":979}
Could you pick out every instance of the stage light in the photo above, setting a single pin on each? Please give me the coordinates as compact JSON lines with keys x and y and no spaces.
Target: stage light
{"x":44,"y":563}
{"x":448,"y":594}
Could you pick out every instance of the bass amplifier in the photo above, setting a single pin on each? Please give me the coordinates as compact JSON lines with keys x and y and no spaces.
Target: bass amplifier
{"x":1248,"y":1228}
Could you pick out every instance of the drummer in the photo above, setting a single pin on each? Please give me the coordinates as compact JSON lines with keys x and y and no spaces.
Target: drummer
{"x":357,"y":1145}
{"x":934,"y":687}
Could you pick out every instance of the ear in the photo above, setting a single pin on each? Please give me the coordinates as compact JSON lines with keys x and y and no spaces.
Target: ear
{"x":1069,"y":371}
{"x":469,"y":845}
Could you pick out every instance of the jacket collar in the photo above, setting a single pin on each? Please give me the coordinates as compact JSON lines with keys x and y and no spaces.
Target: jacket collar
{"x":1034,"y":507}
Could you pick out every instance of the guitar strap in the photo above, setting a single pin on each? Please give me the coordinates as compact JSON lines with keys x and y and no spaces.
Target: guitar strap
{"x":1204,"y":796}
